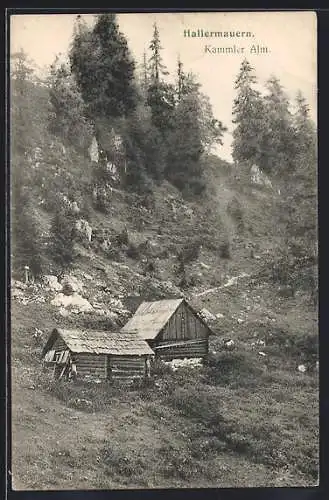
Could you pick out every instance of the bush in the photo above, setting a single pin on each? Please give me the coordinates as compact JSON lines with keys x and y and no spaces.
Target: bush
{"x":301,"y":346}
{"x":116,"y":460}
{"x":133,"y":251}
{"x":234,"y":209}
{"x":178,"y":463}
{"x":114,"y":254}
{"x":122,"y":238}
{"x":240,"y":369}
{"x":160,"y":368}
{"x":190,"y":252}
{"x":150,"y":267}
{"x":225,"y":250}
{"x":63,"y":236}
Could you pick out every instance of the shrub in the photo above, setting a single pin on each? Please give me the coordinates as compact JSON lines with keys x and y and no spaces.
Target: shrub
{"x":150,"y":267}
{"x":122,"y":238}
{"x":240,"y":369}
{"x":114,"y":254}
{"x":190,"y":252}
{"x":178,"y":463}
{"x":63,"y":235}
{"x":225,"y":250}
{"x":122,"y":464}
{"x":133,"y":251}
{"x":196,"y":403}
{"x":234,"y":209}
{"x":160,"y":368}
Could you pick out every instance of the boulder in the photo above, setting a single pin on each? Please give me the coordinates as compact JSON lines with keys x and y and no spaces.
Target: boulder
{"x":71,"y":284}
{"x":229,"y":344}
{"x":52,"y":283}
{"x":207,"y":315}
{"x":74,"y":302}
{"x":18,"y":285}
{"x":85,"y":230}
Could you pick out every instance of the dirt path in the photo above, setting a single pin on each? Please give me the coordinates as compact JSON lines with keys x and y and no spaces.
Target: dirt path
{"x":232,"y":281}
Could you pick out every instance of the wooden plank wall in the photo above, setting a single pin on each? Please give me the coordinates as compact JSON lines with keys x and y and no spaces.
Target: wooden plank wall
{"x":119,"y":368}
{"x":125,"y":368}
{"x":184,"y":325}
{"x":90,"y":364}
{"x":193,"y":349}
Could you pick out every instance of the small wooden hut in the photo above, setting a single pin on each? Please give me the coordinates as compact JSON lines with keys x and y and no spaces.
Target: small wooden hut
{"x":172,"y":328}
{"x":97,"y":355}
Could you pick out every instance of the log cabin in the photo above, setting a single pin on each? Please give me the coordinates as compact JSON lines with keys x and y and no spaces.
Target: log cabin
{"x":172,"y":328}
{"x":97,"y":355}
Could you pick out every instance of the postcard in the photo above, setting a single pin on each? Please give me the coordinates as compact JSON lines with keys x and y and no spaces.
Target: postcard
{"x":164,"y":295}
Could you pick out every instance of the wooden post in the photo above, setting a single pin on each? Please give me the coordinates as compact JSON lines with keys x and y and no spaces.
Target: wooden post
{"x":26,"y":268}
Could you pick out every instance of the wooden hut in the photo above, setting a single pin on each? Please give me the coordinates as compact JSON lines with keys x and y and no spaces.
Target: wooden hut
{"x":172,"y":328}
{"x":97,"y":355}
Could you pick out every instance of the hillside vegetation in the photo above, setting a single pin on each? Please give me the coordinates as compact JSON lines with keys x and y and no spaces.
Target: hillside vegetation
{"x":111,"y":192}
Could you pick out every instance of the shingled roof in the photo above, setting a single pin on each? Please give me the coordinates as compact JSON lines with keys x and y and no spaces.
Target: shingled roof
{"x":100,"y":342}
{"x":151,"y":317}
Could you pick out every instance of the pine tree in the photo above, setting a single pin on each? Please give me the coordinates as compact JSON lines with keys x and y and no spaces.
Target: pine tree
{"x":278,"y":137}
{"x":28,"y":119}
{"x":184,"y":168}
{"x":104,"y":68}
{"x":157,"y":68}
{"x":194,"y":113}
{"x":144,"y":76}
{"x":248,"y":113}
{"x":27,"y":244}
{"x":298,"y":203}
{"x":161,"y":95}
{"x":63,"y":235}
{"x":67,"y":118}
{"x":145,"y":150}
{"x":180,"y":78}
{"x":25,"y":109}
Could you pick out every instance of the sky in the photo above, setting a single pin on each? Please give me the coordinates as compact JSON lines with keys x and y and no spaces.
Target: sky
{"x":284,"y":44}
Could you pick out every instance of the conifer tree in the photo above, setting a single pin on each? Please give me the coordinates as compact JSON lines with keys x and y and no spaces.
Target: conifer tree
{"x":161,"y":95}
{"x":67,"y":118}
{"x":278,"y":138}
{"x":157,"y":68}
{"x":63,"y":236}
{"x":104,"y":68}
{"x":248,"y":113}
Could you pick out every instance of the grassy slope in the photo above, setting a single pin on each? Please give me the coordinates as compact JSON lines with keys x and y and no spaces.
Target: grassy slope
{"x":257,"y":425}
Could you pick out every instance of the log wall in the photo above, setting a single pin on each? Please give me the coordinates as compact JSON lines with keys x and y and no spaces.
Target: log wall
{"x":187,"y":349}
{"x":119,"y":368}
{"x":126,"y":368}
{"x":90,"y":364}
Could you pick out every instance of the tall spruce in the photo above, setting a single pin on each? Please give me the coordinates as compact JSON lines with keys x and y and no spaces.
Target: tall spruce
{"x":278,"y":138}
{"x":248,"y":117}
{"x":161,"y":95}
{"x":157,"y":68}
{"x":297,"y":211}
{"x":67,"y":118}
{"x":28,"y":119}
{"x":104,"y":69}
{"x":184,"y":168}
{"x":194,"y":113}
